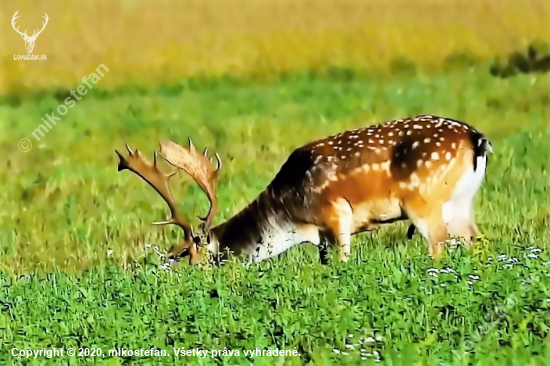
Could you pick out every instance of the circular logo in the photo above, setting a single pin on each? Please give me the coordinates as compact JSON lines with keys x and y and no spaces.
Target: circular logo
{"x":24,"y":145}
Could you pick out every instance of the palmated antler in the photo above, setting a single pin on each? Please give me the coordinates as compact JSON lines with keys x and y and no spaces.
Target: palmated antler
{"x":138,"y":164}
{"x":199,"y":167}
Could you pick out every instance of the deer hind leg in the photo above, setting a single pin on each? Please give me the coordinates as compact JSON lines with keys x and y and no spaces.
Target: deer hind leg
{"x":410,"y":231}
{"x":339,"y":220}
{"x":458,"y":216}
{"x":457,"y":211}
{"x":324,"y":245}
{"x":429,"y":222}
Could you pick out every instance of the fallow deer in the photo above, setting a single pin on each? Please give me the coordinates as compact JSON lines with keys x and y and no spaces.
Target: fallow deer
{"x":426,"y":169}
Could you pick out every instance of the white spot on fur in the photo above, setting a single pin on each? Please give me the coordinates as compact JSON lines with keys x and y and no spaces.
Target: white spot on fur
{"x":386,"y":166}
{"x":435,"y":156}
{"x":415,"y":181}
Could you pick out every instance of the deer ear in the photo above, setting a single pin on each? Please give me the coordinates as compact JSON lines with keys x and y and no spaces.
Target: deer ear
{"x":23,"y":36}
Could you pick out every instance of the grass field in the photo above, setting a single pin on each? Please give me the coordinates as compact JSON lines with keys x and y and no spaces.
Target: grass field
{"x":79,"y":258}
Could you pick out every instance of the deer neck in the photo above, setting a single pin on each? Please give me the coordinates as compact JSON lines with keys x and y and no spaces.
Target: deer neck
{"x":261,"y":230}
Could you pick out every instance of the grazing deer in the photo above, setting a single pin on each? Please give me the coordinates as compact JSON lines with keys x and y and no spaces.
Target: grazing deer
{"x":424,"y":168}
{"x":29,"y":41}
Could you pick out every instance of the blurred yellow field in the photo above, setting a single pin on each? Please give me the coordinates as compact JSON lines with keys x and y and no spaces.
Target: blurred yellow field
{"x":158,"y":42}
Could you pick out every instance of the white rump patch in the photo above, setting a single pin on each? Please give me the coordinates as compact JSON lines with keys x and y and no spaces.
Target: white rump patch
{"x":459,"y":206}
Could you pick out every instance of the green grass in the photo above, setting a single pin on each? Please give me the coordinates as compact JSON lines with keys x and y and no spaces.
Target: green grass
{"x":77,"y":269}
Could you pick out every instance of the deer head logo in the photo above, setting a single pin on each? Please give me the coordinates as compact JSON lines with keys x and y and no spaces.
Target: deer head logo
{"x":29,"y":41}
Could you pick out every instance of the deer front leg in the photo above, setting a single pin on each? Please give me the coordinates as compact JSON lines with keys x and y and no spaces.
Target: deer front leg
{"x":340,"y":221}
{"x":438,"y":234}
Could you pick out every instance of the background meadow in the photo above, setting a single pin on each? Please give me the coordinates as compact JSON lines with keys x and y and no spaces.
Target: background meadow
{"x":153,"y":43}
{"x":81,"y":266}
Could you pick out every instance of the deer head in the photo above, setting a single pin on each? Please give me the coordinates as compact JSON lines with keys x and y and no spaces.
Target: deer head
{"x":199,"y":167}
{"x":29,"y":41}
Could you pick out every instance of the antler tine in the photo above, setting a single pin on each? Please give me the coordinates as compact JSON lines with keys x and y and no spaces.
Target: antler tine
{"x":199,"y":167}
{"x":219,"y":162}
{"x":191,"y":146}
{"x":43,"y":24}
{"x":138,"y":164}
{"x":13,"y":24}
